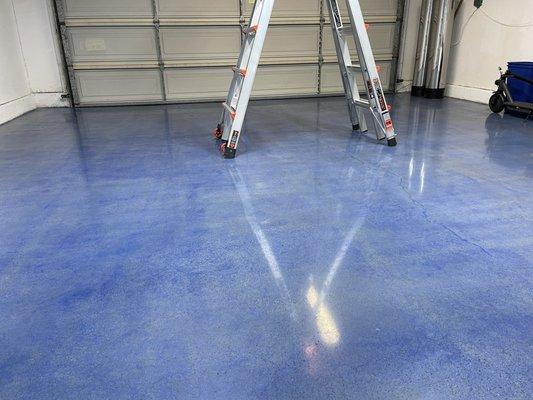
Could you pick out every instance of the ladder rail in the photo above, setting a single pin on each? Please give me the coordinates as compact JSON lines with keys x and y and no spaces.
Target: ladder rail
{"x":345,"y":63}
{"x":241,"y":100}
{"x":376,"y":96}
{"x":248,"y":47}
{"x":236,"y":82}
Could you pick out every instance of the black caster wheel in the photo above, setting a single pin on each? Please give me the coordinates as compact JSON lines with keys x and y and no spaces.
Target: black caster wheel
{"x":392,"y":142}
{"x":496,"y":103}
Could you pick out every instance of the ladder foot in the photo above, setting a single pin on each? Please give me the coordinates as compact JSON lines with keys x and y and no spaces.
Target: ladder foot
{"x":356,"y":127}
{"x":217,"y":133}
{"x":229,"y":153}
{"x":392,"y":142}
{"x":226,"y":151}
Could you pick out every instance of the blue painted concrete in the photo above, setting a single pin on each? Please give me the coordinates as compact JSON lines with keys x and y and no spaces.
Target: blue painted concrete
{"x":136,"y":263}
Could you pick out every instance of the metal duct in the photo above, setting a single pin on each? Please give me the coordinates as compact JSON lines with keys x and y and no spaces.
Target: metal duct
{"x":422,"y":48}
{"x":439,"y":47}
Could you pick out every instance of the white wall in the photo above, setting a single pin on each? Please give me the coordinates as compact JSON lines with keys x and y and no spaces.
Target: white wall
{"x":15,"y":94}
{"x":31,"y":74}
{"x":40,"y":46}
{"x":484,"y":46}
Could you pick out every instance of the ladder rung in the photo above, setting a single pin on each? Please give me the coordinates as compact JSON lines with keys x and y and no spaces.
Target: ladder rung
{"x":347,"y":30}
{"x":352,"y":68}
{"x":250,"y":30}
{"x":358,"y":67}
{"x":230,"y":109}
{"x":361,"y":103}
{"x":241,"y":71}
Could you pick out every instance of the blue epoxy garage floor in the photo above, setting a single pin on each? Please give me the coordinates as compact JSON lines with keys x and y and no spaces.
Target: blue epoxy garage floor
{"x":136,"y":263}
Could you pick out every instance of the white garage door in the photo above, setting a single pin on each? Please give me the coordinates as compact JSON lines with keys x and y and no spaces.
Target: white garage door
{"x":156,"y":51}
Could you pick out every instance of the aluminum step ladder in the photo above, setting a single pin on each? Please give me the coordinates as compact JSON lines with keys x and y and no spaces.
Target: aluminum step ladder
{"x":229,"y":128}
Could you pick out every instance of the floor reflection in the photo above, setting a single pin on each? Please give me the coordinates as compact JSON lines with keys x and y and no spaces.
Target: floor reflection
{"x":270,"y":258}
{"x":503,"y":133}
{"x":323,"y":317}
{"x":325,"y":323}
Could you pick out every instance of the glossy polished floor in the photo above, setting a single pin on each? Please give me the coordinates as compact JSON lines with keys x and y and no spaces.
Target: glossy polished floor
{"x":136,"y":263}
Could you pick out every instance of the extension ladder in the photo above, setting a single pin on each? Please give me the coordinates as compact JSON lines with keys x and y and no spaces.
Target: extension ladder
{"x":229,"y":128}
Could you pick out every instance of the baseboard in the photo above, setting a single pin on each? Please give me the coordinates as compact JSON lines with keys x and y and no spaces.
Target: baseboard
{"x":404,"y":86}
{"x":477,"y":95}
{"x":17,"y":107}
{"x":53,"y":99}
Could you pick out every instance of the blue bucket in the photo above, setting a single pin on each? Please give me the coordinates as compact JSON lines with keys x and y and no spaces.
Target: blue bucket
{"x":521,"y":91}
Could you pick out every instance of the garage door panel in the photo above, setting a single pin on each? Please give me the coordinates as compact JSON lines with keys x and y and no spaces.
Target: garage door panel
{"x":381,"y":39}
{"x":117,"y":86}
{"x":199,"y":9}
{"x":372,"y":8}
{"x":332,"y":84}
{"x":107,"y":8}
{"x":112,"y":44}
{"x":200,"y":45}
{"x":289,"y":44}
{"x":290,"y":10}
{"x":197,"y":83}
{"x":213,"y":83}
{"x":113,"y":48}
{"x":285,"y":80}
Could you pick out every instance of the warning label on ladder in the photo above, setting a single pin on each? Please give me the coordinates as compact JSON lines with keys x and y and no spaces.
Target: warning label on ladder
{"x":381,"y":98}
{"x":232,"y":143}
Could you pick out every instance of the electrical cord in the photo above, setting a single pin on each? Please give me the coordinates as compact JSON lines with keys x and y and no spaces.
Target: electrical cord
{"x":503,"y":23}
{"x":492,"y":19}
{"x":464,"y":27}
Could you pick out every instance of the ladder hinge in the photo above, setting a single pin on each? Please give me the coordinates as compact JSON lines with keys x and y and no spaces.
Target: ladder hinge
{"x":252,"y":30}
{"x":241,"y":71}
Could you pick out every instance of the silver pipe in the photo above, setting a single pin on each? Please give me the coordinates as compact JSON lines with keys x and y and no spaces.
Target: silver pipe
{"x":400,"y":42}
{"x":439,"y":48}
{"x":422,"y":48}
